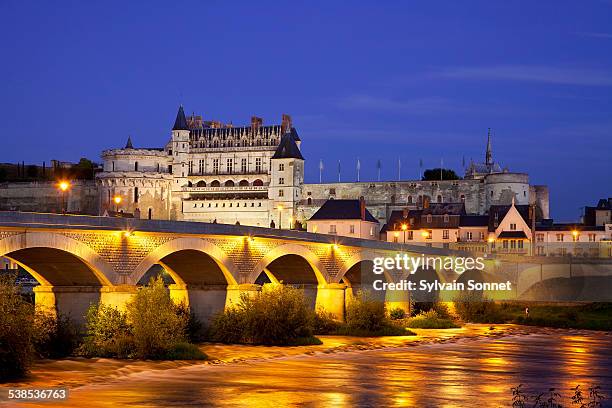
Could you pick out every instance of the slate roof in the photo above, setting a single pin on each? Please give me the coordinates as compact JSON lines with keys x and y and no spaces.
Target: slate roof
{"x":550,"y":226}
{"x":180,"y":123}
{"x":444,"y":209}
{"x":342,"y":210}
{"x":129,"y":144}
{"x":287,"y":148}
{"x":474,"y":221}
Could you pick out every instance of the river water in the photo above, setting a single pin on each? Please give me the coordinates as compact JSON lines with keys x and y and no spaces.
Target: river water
{"x":459,"y":368}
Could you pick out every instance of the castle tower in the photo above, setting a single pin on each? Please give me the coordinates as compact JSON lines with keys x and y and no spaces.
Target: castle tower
{"x":180,"y":150}
{"x":287,"y":178}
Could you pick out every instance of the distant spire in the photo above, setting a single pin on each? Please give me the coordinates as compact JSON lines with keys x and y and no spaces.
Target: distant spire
{"x":181,"y":122}
{"x":129,"y":144}
{"x":489,"y":153}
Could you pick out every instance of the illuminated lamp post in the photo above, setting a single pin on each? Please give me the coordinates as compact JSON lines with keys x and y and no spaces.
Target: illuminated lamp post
{"x":404,"y":229}
{"x":280,"y":217}
{"x":63,"y":186}
{"x":117,"y":200}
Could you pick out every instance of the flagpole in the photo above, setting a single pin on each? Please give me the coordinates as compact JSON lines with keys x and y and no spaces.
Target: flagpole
{"x":320,"y":171}
{"x":338,"y":171}
{"x":399,"y":168}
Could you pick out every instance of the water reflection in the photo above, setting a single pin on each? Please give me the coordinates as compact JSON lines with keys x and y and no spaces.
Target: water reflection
{"x":451,"y":374}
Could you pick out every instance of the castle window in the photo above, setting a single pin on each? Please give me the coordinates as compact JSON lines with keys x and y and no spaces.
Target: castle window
{"x":258,"y":164}
{"x":281,"y":193}
{"x":135,"y":166}
{"x":351,"y":229}
{"x":446,"y":218}
{"x":157,"y":167}
{"x":409,"y":201}
{"x":309,"y":201}
{"x":468,"y":235}
{"x":332,"y":191}
{"x":150,"y":215}
{"x":201,"y":166}
{"x":281,"y":167}
{"x":429,"y":219}
{"x":463,"y":197}
{"x":113,"y":166}
{"x":513,"y":227}
{"x":190,"y":167}
{"x":243,"y":166}
{"x":439,"y":198}
{"x":281,"y":180}
{"x":332,"y":229}
{"x":539,"y":237}
{"x":169,"y":168}
{"x":215,"y":183}
{"x":135,"y":194}
{"x":445,"y":234}
{"x":229,"y":183}
{"x":230,"y":165}
{"x":216,"y":166}
{"x":259,"y":205}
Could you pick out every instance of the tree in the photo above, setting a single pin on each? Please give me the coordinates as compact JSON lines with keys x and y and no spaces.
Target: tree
{"x":434,"y":174}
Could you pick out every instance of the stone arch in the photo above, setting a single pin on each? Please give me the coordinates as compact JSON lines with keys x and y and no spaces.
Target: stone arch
{"x":34,"y":251}
{"x":220,"y":258}
{"x":319,"y":270}
{"x":215,"y":183}
{"x":243,"y":183}
{"x":258,"y":182}
{"x":229,"y":183}
{"x":201,"y":183}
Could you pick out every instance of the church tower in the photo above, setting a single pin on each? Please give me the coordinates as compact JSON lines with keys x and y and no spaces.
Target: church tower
{"x":287,"y":178}
{"x":489,"y":153}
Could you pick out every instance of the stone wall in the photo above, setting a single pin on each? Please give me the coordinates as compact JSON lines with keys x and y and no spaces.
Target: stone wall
{"x":44,"y":196}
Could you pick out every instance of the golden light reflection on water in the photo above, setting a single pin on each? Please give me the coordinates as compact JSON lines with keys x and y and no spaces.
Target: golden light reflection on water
{"x":447,"y":372}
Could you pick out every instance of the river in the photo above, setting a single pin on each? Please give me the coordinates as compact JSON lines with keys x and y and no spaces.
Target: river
{"x":466,"y":367}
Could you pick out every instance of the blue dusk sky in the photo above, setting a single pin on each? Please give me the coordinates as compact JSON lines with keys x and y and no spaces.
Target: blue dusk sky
{"x":403,"y":80}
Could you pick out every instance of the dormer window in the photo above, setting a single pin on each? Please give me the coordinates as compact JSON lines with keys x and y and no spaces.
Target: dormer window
{"x":429,"y":218}
{"x":446,"y":218}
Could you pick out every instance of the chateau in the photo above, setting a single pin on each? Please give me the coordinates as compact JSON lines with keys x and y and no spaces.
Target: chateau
{"x":254,"y":175}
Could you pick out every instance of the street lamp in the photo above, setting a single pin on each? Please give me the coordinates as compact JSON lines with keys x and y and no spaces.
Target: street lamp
{"x":404,"y":228}
{"x":63,"y":186}
{"x":117,"y":199}
{"x":575,"y":235}
{"x":280,"y":210}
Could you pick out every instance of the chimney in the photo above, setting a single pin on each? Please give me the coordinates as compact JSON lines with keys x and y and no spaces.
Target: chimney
{"x":256,"y":122}
{"x":362,"y":208}
{"x":286,"y":124}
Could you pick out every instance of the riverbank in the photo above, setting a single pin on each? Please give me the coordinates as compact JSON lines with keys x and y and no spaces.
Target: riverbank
{"x":75,"y":372}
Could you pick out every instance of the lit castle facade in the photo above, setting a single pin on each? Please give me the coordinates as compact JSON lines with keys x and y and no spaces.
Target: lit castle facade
{"x":254,"y":175}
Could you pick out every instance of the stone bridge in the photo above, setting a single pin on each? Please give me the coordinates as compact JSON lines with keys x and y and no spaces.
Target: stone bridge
{"x":79,"y":260}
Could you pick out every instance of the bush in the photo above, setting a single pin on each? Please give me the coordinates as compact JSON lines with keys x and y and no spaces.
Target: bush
{"x":397,"y":314}
{"x":16,"y":334}
{"x":430,"y":320}
{"x":186,"y":351}
{"x":324,"y":322}
{"x":471,"y":307}
{"x":363,"y":312}
{"x":365,"y":316}
{"x":54,"y":336}
{"x":108,"y":333}
{"x":157,"y":324}
{"x":278,"y":315}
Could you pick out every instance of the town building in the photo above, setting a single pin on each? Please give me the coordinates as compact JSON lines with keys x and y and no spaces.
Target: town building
{"x":348,"y":218}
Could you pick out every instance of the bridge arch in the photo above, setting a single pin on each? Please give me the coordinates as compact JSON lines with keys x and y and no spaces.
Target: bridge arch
{"x":298,"y":252}
{"x":57,"y":260}
{"x":182,"y":256}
